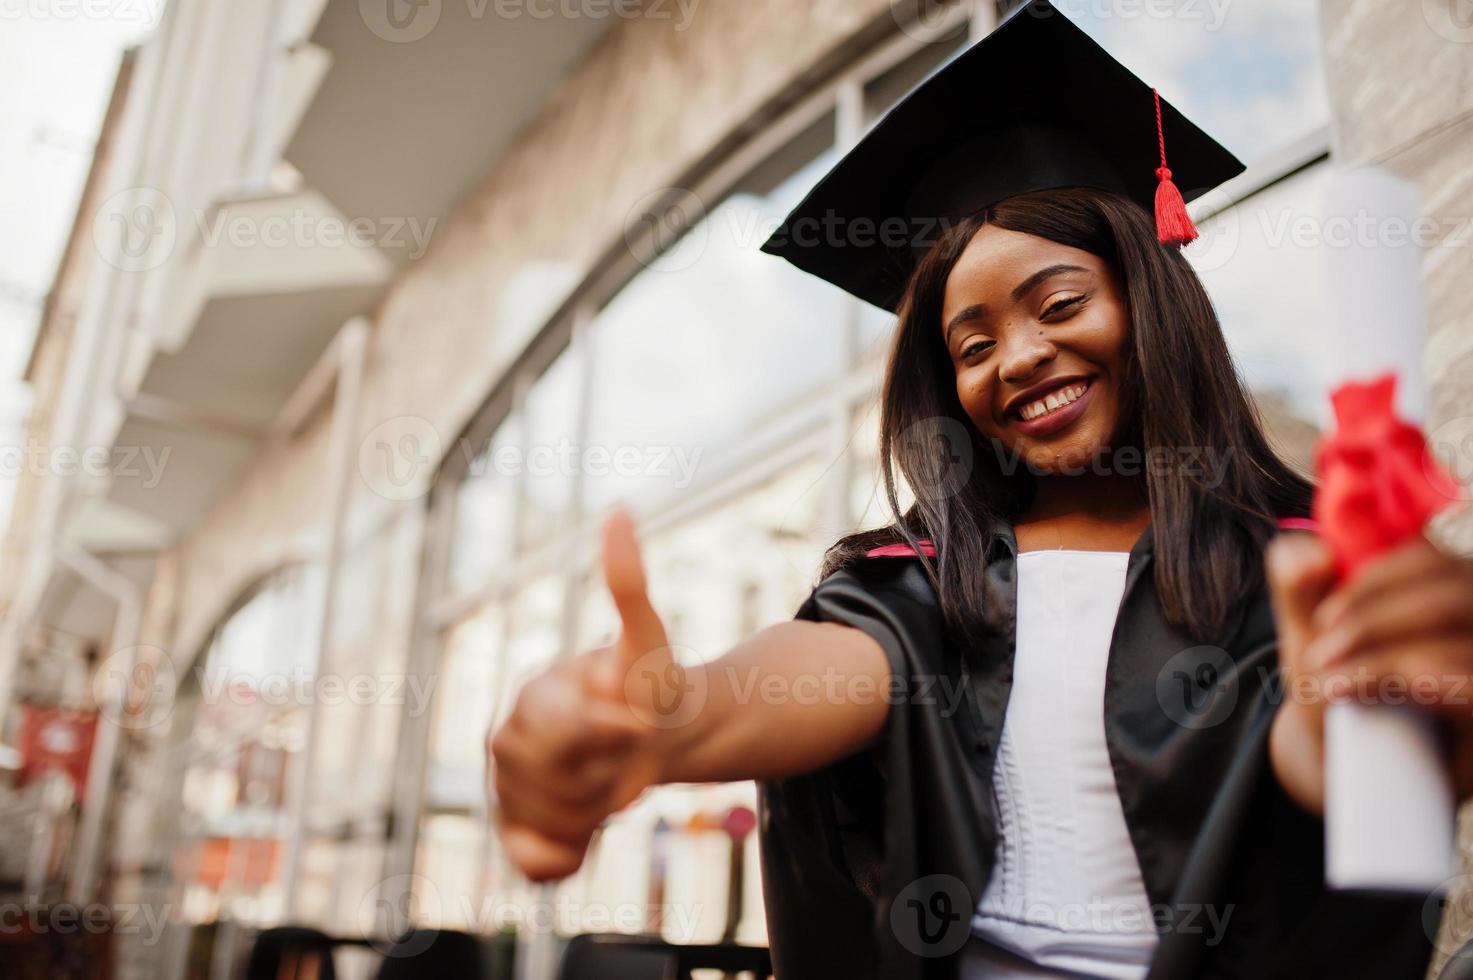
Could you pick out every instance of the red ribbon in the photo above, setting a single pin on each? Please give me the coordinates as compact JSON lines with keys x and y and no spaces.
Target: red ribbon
{"x":1378,"y":481}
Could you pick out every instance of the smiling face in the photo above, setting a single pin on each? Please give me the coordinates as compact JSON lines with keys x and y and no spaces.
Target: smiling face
{"x":1038,"y":334}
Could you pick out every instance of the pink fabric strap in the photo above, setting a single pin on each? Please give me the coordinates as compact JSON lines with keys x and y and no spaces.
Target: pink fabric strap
{"x":901,"y":550}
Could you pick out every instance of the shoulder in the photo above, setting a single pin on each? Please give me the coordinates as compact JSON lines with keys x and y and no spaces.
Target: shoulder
{"x":888,"y":593}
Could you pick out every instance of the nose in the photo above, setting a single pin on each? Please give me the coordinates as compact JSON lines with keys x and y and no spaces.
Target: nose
{"x":1024,"y":352}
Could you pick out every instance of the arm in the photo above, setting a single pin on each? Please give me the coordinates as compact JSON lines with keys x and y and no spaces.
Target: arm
{"x":593,"y":732}
{"x":790,"y":699}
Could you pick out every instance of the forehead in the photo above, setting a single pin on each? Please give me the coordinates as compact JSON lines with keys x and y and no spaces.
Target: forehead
{"x":997,"y":259}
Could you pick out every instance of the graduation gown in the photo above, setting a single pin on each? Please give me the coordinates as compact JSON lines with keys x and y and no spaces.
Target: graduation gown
{"x":873,"y":865}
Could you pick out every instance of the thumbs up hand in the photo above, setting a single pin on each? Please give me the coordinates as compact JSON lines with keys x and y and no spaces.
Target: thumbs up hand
{"x":588,"y":736}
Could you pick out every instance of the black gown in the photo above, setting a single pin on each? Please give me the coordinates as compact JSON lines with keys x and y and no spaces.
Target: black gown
{"x":873,"y":865}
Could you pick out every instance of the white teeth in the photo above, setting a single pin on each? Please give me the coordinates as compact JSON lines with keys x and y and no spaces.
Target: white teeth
{"x":1051,"y":401}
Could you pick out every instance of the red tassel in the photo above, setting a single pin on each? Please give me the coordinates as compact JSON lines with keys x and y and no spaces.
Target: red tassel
{"x":1173,"y":224}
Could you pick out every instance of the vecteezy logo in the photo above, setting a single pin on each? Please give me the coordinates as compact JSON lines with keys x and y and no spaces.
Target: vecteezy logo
{"x":921,"y":20}
{"x":1447,"y":917}
{"x":135,"y":229}
{"x":135,"y":687}
{"x":945,"y":447}
{"x":397,"y":458}
{"x":1450,"y":448}
{"x":661,"y":692}
{"x":665,"y":229}
{"x":400,"y":21}
{"x":1219,"y":235}
{"x":932,"y":915}
{"x":394,"y":908}
{"x":1198,"y":687}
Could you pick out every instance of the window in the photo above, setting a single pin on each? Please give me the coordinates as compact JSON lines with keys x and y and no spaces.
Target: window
{"x":712,"y":336}
{"x":486,"y":507}
{"x":248,"y":712}
{"x":547,"y":454}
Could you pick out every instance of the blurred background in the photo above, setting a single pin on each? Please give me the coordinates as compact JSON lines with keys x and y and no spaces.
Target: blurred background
{"x":330,"y":329}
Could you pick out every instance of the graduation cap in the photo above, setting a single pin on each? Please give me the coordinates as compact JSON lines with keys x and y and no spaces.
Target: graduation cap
{"x":1035,"y":104}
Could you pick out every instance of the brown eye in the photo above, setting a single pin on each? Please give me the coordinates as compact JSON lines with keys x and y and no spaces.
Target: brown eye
{"x":980,"y":346}
{"x":1064,"y":304}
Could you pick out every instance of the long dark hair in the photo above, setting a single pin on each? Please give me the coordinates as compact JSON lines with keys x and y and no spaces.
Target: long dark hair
{"x":1208,"y":540}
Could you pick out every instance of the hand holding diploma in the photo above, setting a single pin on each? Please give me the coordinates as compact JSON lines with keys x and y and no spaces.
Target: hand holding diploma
{"x":1398,"y":632}
{"x":1376,"y":623}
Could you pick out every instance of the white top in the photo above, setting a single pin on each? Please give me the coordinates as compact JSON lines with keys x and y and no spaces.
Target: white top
{"x":1066,"y":891}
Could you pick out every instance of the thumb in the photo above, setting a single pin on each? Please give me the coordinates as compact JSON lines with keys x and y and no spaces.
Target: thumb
{"x":643,"y":631}
{"x":1301,"y":573}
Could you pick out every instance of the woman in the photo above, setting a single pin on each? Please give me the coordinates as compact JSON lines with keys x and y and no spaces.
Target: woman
{"x":1094,"y":529}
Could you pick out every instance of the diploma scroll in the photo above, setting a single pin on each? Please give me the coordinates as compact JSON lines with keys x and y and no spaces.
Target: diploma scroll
{"x":1390,"y":812}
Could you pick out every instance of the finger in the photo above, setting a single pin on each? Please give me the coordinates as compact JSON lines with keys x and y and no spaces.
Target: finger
{"x":1301,"y":572}
{"x":530,"y":802}
{"x":550,"y":711}
{"x":581,"y":784}
{"x":1395,"y":569}
{"x":537,"y":856}
{"x":553,"y":747}
{"x":1433,"y":673}
{"x":1394,"y":616}
{"x":624,"y":573}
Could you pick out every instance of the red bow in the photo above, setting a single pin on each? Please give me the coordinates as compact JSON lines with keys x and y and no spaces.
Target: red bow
{"x":1378,"y":482}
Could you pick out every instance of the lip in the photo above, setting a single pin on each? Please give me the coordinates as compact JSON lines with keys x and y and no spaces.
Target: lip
{"x":1042,"y":388}
{"x":1047,"y":425}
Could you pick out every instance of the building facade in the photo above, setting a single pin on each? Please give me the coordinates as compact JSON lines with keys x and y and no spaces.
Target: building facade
{"x":373,"y":309}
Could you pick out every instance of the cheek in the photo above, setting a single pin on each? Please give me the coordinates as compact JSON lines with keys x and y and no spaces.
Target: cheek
{"x":975,"y":396}
{"x":1104,"y":340}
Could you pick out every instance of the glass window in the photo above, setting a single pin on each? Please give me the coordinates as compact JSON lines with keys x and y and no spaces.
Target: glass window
{"x":247,"y":711}
{"x":742,"y":565}
{"x":549,"y":453}
{"x":464,"y":700}
{"x":535,"y":636}
{"x":364,"y":690}
{"x":667,"y":849}
{"x":1263,"y":264}
{"x":486,"y":507}
{"x":446,"y":891}
{"x":711,"y":336}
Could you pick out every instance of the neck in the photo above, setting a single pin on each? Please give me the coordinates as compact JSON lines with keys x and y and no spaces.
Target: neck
{"x":1089,"y":511}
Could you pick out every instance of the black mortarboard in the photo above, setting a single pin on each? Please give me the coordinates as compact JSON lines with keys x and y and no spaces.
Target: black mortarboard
{"x":1035,"y":104}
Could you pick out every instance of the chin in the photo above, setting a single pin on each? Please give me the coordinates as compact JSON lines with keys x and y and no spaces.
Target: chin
{"x":1071,"y":457}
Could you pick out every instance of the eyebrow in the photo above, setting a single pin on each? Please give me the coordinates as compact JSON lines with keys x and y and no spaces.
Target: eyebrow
{"x":1019,"y":291}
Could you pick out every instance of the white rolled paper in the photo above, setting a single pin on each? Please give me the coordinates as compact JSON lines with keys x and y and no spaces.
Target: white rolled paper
{"x":1390,"y":811}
